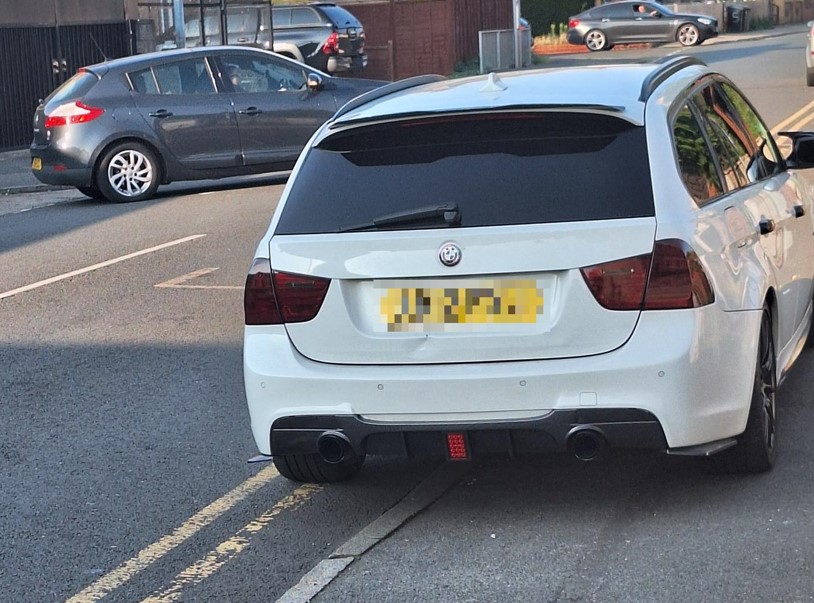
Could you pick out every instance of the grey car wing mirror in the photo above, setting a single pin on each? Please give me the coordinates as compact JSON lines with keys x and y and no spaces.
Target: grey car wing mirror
{"x":314,"y":82}
{"x":801,"y":156}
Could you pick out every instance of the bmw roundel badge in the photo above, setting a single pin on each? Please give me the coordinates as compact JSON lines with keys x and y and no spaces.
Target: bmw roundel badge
{"x":449,"y":254}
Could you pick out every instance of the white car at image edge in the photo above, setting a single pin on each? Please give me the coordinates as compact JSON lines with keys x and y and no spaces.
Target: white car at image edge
{"x":578,"y":259}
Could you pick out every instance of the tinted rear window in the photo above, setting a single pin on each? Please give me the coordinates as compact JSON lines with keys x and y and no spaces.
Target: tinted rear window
{"x":75,"y":88}
{"x":500,"y":169}
{"x":340,"y":17}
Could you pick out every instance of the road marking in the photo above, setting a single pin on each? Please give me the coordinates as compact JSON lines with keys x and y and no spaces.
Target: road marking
{"x":229,"y":549}
{"x":421,"y":497}
{"x":180,"y":282}
{"x":129,"y":256}
{"x":783,"y":125}
{"x":161,"y":547}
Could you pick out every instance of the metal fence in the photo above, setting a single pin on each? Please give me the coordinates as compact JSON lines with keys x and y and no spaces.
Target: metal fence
{"x":38,"y":59}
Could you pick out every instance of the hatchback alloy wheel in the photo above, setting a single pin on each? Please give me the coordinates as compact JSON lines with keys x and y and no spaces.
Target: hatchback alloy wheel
{"x":128,"y":172}
{"x":688,"y":35}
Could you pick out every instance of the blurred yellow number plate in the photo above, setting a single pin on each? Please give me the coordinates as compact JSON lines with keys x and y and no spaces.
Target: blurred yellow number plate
{"x":506,"y":301}
{"x":36,"y":163}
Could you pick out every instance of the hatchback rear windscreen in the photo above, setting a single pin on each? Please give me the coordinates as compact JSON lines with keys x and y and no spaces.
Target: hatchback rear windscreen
{"x":76,"y":87}
{"x":495,"y":169}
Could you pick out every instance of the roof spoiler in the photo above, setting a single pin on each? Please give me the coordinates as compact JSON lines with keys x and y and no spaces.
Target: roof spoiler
{"x":398,"y":86}
{"x":664,"y":70}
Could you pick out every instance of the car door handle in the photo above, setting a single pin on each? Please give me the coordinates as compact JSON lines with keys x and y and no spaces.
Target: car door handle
{"x":799,"y":211}
{"x":765,"y":226}
{"x":161,"y":114}
{"x":605,"y":20}
{"x":250,"y":111}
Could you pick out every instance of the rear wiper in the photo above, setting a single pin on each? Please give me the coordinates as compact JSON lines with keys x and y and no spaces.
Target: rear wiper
{"x":448,"y":212}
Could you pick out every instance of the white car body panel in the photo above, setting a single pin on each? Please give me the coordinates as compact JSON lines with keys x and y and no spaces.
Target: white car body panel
{"x":350,"y":328}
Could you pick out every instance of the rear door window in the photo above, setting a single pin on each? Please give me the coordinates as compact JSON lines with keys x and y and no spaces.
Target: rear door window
{"x":498,"y":169}
{"x":695,"y":160}
{"x":179,"y":77}
{"x":731,"y":143}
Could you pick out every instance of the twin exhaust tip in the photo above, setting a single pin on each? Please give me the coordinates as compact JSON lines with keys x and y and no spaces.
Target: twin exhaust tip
{"x":586,"y":442}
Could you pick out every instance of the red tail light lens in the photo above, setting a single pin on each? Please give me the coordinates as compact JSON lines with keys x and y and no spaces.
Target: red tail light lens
{"x":72,"y":113}
{"x":677,"y":278}
{"x":573,"y":23}
{"x":670,"y":278}
{"x":272,"y":298}
{"x":619,"y":285}
{"x":331,"y":45}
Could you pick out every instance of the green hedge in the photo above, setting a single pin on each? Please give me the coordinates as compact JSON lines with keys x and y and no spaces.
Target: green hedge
{"x":541,"y":14}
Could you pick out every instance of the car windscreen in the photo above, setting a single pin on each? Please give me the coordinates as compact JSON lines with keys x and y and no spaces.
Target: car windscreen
{"x":76,"y":87}
{"x":496,"y":169}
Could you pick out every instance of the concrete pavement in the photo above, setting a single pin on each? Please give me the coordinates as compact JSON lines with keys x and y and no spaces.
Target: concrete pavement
{"x":15,"y":166}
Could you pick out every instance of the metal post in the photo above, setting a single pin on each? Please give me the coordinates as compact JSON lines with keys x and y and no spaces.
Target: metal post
{"x":518,"y":50}
{"x":180,"y":26}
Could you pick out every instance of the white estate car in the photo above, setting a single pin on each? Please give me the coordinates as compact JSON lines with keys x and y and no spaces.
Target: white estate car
{"x":580,"y":258}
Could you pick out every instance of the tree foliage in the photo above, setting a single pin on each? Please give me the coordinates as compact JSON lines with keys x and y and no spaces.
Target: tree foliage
{"x":541,"y":14}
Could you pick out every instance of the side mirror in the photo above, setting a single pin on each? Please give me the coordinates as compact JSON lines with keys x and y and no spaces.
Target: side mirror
{"x":314,"y":82}
{"x":801,"y":156}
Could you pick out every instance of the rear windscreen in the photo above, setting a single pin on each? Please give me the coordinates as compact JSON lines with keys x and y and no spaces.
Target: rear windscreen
{"x":340,"y":17}
{"x":75,"y":88}
{"x":498,"y":169}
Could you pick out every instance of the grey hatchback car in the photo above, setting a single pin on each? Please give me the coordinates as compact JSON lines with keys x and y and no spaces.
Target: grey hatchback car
{"x":118,"y":129}
{"x":601,"y":27}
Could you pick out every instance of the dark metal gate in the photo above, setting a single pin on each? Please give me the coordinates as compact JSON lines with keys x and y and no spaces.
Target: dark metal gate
{"x":38,"y":59}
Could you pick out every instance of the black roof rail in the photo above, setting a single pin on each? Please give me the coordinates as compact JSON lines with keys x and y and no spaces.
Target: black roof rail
{"x":398,"y":86}
{"x":665,"y":69}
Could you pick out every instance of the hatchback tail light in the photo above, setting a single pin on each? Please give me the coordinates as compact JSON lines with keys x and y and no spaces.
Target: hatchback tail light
{"x":331,"y":45}
{"x":72,"y":113}
{"x":670,"y":278}
{"x":272,"y":298}
{"x":573,"y":23}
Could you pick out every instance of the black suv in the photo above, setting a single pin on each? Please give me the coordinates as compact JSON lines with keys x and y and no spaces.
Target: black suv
{"x":323,"y":35}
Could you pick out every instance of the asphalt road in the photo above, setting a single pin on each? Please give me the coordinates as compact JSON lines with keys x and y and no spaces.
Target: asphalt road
{"x":124,"y":439}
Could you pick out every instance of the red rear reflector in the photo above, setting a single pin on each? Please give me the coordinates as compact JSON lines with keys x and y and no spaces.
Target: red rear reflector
{"x":272,"y":298}
{"x":72,"y":113}
{"x":677,"y":278}
{"x":670,"y":278}
{"x":456,"y":447}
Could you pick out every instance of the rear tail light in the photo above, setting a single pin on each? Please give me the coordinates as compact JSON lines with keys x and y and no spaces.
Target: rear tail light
{"x":677,"y":278}
{"x":670,"y":278}
{"x":72,"y":113}
{"x":619,"y":285}
{"x":572,"y":23}
{"x":272,"y":298}
{"x":331,"y":45}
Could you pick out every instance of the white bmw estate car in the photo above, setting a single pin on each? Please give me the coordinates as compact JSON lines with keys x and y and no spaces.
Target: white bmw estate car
{"x":558,"y":259}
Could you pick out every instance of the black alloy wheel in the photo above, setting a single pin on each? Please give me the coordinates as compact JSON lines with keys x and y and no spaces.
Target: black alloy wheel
{"x":756,"y":450}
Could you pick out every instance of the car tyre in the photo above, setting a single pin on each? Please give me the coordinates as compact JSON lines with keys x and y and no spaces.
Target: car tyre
{"x":90,"y":191}
{"x":596,"y":40}
{"x":810,"y":77}
{"x":128,"y":172}
{"x":756,"y":449}
{"x":688,"y":35}
{"x":311,"y":468}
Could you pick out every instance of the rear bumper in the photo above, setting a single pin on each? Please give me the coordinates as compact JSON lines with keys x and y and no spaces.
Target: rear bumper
{"x":620,"y":428}
{"x":345,"y":63}
{"x":692,"y":370}
{"x":59,"y":168}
